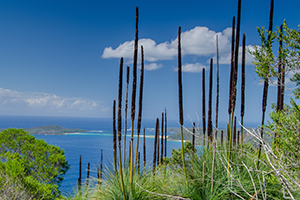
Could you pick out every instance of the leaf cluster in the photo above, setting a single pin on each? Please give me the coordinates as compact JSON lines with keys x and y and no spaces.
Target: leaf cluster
{"x":39,"y":166}
{"x":267,"y":60}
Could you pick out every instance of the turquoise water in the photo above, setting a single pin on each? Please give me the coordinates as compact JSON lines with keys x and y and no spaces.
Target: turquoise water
{"x":89,"y":146}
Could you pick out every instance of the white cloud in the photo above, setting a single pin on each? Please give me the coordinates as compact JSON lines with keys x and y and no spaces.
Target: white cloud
{"x":226,"y":56}
{"x":153,"y":66}
{"x":45,"y":101}
{"x":193,"y":67}
{"x":199,"y":41}
{"x":152,"y":51}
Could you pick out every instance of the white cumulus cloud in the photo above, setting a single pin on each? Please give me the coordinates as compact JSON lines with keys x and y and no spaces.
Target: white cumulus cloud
{"x":193,"y":67}
{"x":199,"y":41}
{"x":153,"y":66}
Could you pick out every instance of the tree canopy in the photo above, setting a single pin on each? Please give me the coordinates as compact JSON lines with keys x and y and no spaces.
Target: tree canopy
{"x":40,"y":167}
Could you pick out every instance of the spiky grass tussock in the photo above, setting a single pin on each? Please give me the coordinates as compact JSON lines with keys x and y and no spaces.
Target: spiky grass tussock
{"x":244,"y":181}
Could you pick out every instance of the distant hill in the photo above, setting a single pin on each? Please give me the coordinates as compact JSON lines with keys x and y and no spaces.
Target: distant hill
{"x":52,"y":130}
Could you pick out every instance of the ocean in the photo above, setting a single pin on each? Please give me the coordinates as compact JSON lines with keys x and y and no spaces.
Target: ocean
{"x":88,"y":144}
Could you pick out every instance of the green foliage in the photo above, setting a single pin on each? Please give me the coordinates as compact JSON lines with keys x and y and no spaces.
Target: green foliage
{"x":39,"y":166}
{"x":263,"y":54}
{"x":286,"y":125}
{"x":176,"y":159}
{"x":267,"y":60}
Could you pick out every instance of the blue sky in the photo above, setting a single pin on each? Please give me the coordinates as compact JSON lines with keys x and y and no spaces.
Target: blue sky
{"x":61,"y":58}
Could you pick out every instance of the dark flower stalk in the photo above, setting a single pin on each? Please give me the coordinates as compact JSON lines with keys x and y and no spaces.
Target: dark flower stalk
{"x":234,"y":132}
{"x":231,"y":78}
{"x":238,"y":137}
{"x":120,"y":124}
{"x":114,"y":138}
{"x":236,"y":55}
{"x":243,"y":90}
{"x":162,"y":140}
{"x":222,"y":137}
{"x":165,"y":155}
{"x":234,"y":76}
{"x":155,"y":145}
{"x":203,"y":107}
{"x":101,"y":167}
{"x":133,"y":91}
{"x":217,"y":95}
{"x":79,"y":179}
{"x":140,"y":106}
{"x":180,"y":99}
{"x":158,"y":148}
{"x":139,"y":163}
{"x":144,"y":149}
{"x":266,"y":81}
{"x":193,"y":137}
{"x":282,"y":76}
{"x":88,"y":175}
{"x":126,"y":108}
{"x":278,"y":108}
{"x":209,"y":120}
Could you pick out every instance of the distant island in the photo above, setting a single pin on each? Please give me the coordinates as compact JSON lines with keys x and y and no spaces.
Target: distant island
{"x":51,"y":130}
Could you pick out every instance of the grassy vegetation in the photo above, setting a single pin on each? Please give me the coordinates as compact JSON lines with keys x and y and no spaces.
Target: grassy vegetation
{"x":244,"y":181}
{"x":227,"y":170}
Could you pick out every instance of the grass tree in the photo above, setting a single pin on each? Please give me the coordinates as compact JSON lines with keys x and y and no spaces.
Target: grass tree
{"x":126,"y":108}
{"x":133,"y":97}
{"x":140,"y":106}
{"x":180,"y":98}
{"x":243,"y":89}
{"x":266,"y":76}
{"x":120,"y":124}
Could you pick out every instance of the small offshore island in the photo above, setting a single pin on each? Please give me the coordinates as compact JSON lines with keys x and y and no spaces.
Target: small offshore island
{"x":51,"y":130}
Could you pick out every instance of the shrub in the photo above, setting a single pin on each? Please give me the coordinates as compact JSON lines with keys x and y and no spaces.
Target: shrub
{"x":39,"y":167}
